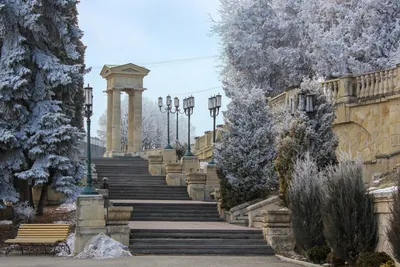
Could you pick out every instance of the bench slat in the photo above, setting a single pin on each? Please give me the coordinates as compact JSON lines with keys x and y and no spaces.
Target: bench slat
{"x":40,"y":234}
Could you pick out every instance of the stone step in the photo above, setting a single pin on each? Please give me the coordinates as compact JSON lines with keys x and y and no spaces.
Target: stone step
{"x":196,"y":241}
{"x":197,"y":233}
{"x":130,"y":197}
{"x":177,"y":219}
{"x":239,"y":222}
{"x":259,"y":250}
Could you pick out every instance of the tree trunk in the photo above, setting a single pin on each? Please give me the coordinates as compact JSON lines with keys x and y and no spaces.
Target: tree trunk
{"x":42,"y":199}
{"x":31,"y":203}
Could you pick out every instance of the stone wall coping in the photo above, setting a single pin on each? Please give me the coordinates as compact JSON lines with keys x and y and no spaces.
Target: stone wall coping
{"x":276,"y":212}
{"x":263,"y":203}
{"x":196,"y":178}
{"x":240,"y":207}
{"x":155,"y":159}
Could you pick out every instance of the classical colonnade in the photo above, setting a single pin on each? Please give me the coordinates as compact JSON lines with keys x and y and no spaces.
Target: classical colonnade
{"x":126,"y":78}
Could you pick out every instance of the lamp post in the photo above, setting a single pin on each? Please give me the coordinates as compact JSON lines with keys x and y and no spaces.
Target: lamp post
{"x":168,"y":111}
{"x":88,"y":189}
{"x":305,"y":103}
{"x":188,"y":105}
{"x":177,"y":111}
{"x":214,"y":103}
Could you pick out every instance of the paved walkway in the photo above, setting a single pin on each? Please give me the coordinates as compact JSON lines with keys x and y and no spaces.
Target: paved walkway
{"x":146,"y":261}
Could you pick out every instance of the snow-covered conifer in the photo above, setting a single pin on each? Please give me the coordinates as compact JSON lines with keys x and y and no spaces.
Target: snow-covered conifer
{"x":245,"y":152}
{"x":41,"y":96}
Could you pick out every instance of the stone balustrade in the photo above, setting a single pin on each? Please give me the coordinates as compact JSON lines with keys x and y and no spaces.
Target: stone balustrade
{"x":352,"y":88}
{"x":378,"y":83}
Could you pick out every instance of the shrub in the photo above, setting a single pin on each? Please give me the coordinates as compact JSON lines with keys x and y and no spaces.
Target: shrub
{"x":304,"y":203}
{"x":334,"y":260}
{"x":393,"y":229}
{"x":350,"y":226}
{"x":388,"y":264}
{"x":373,"y":259}
{"x":318,"y":254}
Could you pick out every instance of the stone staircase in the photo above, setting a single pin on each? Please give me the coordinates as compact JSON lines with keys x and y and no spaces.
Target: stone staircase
{"x":129,"y":178}
{"x":199,"y":242}
{"x":193,"y":227}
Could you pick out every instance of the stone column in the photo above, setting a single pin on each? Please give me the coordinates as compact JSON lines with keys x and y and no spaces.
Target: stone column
{"x":109,"y":121}
{"x":212,"y":182}
{"x":190,"y":164}
{"x":137,"y":114}
{"x":90,"y":220}
{"x":174,"y":176}
{"x":116,"y":122}
{"x":131,"y":123}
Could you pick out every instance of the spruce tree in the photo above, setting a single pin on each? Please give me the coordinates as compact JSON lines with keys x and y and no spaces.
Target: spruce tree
{"x":245,"y":152}
{"x":41,"y":96}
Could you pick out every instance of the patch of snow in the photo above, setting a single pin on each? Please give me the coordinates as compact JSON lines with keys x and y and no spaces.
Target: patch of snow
{"x":102,"y":246}
{"x":62,"y":222}
{"x":5,"y":222}
{"x":372,"y":188}
{"x":385,"y":190}
{"x":377,"y":181}
{"x":67,"y":207}
{"x":70,"y":242}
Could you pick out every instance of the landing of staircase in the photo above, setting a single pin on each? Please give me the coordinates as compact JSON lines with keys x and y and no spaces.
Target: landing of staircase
{"x":187,"y":226}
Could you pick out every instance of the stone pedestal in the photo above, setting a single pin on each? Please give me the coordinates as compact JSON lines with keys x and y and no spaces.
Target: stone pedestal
{"x":277,"y":230}
{"x":196,"y":183}
{"x":175,"y":177}
{"x":117,"y":223}
{"x":190,"y":164}
{"x":212,"y":182}
{"x":169,"y":156}
{"x":156,"y":165}
{"x":90,"y":219}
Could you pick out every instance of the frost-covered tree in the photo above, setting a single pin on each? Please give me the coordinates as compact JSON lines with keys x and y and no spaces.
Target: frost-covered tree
{"x":305,"y":203}
{"x":245,"y":152}
{"x":352,"y":36}
{"x":274,"y":44}
{"x":350,"y":225}
{"x":260,"y":45}
{"x":154,"y":126}
{"x":41,"y":98}
{"x":308,"y":132}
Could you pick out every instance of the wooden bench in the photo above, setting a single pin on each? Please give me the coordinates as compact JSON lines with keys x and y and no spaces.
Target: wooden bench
{"x":40,"y":236}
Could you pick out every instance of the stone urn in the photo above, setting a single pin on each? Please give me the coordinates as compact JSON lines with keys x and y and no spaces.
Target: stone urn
{"x":118,"y":215}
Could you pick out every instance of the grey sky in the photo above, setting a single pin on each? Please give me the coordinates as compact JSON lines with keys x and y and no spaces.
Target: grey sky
{"x":147,"y":33}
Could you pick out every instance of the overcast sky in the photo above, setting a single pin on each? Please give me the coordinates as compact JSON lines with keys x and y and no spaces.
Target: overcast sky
{"x":156,"y":34}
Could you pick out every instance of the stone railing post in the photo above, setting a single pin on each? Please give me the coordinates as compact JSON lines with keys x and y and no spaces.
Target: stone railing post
{"x":156,"y":165}
{"x":196,"y":183}
{"x":212,"y":182}
{"x":175,"y":177}
{"x":117,"y":223}
{"x":90,"y":219}
{"x":347,"y":89}
{"x":190,"y":164}
{"x":169,"y":156}
{"x":277,"y":230}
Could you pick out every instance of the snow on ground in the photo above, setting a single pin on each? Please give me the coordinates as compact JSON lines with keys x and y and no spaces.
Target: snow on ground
{"x":384,"y":190}
{"x":103,"y":247}
{"x":70,"y":242}
{"x":67,"y":207}
{"x":5,"y":222}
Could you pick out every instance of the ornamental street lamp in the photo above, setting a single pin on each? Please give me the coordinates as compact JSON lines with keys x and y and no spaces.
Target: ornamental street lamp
{"x":188,"y":105}
{"x":305,"y":103}
{"x":168,"y":111}
{"x":177,"y":111}
{"x":214,"y":103}
{"x":88,"y":190}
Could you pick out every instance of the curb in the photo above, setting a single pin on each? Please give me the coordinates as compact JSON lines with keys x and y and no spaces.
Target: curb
{"x":303,"y":263}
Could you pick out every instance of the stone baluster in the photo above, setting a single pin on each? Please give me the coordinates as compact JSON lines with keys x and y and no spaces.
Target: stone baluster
{"x":370,"y":88}
{"x":390,"y":81}
{"x":334,"y":88}
{"x":359,"y":86}
{"x":377,"y":81}
{"x":381,"y":80}
{"x":386,"y":81}
{"x":363,"y":85}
